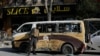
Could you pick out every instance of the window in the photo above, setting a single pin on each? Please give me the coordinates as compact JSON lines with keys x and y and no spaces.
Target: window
{"x":47,"y":27}
{"x":65,"y":27}
{"x":76,"y":27}
{"x":59,"y":27}
{"x":25,"y":28}
{"x":69,"y":27}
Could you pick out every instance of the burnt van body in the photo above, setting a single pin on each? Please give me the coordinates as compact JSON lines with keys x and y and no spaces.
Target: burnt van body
{"x":65,"y":36}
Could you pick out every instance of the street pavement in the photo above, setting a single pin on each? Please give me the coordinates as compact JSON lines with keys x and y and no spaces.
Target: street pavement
{"x":6,"y":50}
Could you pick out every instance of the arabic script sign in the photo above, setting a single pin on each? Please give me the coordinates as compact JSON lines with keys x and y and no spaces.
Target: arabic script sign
{"x":58,"y":9}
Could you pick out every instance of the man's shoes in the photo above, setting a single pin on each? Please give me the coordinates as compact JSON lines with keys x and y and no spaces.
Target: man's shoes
{"x":34,"y":53}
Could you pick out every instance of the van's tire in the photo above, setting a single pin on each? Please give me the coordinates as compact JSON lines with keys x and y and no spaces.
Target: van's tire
{"x":67,"y":49}
{"x":23,"y":47}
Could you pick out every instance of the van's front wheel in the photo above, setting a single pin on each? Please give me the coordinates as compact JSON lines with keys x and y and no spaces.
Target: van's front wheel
{"x":67,"y":49}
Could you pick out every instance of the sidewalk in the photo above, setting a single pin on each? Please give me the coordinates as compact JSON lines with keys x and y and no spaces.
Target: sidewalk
{"x":6,"y":43}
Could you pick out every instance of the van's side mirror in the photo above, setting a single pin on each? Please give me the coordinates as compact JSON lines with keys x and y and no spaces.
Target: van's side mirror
{"x":14,"y":31}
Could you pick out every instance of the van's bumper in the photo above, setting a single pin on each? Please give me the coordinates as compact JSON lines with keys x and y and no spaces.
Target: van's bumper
{"x":13,"y":45}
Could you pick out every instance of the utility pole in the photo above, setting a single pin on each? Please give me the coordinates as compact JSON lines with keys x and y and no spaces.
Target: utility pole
{"x":48,"y":9}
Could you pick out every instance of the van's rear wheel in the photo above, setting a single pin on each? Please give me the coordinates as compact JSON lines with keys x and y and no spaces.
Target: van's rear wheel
{"x":67,"y":49}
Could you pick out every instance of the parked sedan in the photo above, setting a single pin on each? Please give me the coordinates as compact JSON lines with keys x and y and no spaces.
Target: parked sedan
{"x":95,"y":38}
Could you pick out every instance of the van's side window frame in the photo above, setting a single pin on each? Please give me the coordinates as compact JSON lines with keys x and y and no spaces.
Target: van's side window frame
{"x":59,"y":27}
{"x":47,"y":27}
{"x":25,"y":28}
{"x":69,"y":27}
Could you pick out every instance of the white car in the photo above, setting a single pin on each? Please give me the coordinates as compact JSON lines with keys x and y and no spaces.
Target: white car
{"x":95,"y":38}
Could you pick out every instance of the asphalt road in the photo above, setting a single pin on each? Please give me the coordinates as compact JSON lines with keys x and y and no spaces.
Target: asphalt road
{"x":7,"y":51}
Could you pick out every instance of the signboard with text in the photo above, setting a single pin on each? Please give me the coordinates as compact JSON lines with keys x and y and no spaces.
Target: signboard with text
{"x":39,"y":10}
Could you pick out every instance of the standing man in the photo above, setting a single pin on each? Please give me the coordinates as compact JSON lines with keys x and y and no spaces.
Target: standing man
{"x":33,"y":40}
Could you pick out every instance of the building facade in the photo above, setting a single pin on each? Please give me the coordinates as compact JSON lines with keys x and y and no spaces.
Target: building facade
{"x":1,"y":22}
{"x":16,"y":12}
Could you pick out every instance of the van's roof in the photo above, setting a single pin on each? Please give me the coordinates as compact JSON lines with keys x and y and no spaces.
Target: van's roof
{"x":74,"y":21}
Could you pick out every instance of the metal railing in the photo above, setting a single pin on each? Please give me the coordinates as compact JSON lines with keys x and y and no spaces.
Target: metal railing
{"x":3,"y":35}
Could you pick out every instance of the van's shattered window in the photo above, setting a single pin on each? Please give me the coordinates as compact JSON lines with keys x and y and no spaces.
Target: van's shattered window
{"x":47,"y":27}
{"x":59,"y":27}
{"x":69,"y":27}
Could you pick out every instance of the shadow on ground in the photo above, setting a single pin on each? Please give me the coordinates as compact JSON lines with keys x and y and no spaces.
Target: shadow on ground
{"x":10,"y":50}
{"x":93,"y":53}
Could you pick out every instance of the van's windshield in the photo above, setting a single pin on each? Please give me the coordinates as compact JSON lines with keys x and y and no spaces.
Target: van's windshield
{"x":25,"y":28}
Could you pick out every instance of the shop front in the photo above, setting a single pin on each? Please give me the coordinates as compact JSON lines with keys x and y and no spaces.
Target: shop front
{"x":15,"y":16}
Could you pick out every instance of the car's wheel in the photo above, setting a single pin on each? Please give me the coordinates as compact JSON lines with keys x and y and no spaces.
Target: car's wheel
{"x":23,"y":47}
{"x":67,"y":49}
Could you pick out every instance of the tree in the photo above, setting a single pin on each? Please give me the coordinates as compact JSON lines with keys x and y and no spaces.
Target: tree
{"x":87,"y":8}
{"x":48,"y":8}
